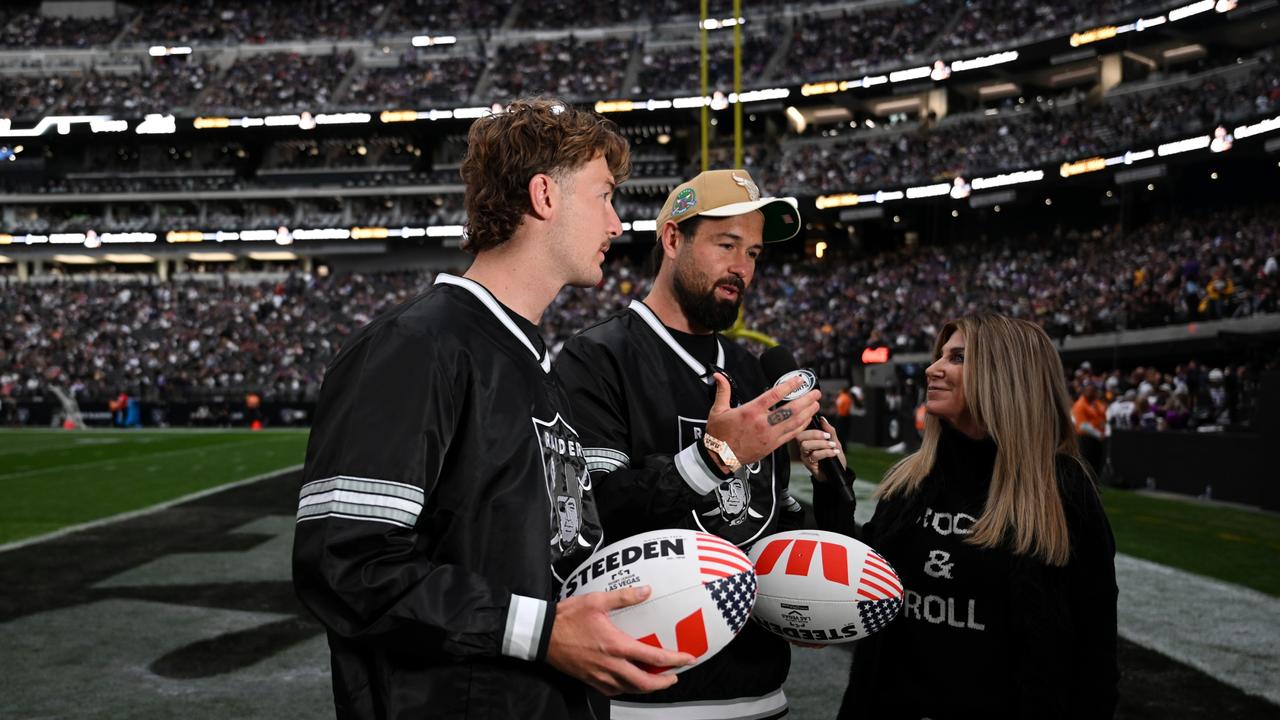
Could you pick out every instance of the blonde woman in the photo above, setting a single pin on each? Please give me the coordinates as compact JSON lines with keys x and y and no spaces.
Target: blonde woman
{"x":999,"y":537}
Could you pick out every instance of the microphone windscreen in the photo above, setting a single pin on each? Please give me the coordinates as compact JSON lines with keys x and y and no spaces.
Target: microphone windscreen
{"x":776,"y":362}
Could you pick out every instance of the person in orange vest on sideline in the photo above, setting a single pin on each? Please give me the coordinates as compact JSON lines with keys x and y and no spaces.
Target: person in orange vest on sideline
{"x":844,"y":409}
{"x":1090,"y":417}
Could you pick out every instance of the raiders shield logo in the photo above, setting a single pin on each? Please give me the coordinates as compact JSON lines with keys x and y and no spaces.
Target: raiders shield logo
{"x":743,"y":503}
{"x":574,"y":526}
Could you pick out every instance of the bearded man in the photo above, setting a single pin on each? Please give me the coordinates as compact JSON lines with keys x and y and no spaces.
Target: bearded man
{"x":682,"y":429}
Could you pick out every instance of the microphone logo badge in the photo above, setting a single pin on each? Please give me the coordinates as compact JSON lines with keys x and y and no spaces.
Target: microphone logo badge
{"x":810,"y":382}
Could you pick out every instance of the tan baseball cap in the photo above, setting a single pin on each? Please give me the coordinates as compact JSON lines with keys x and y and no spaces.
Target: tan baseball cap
{"x":726,"y":193}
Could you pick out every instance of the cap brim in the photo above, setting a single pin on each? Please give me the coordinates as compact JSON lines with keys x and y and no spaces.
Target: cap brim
{"x":781,"y":216}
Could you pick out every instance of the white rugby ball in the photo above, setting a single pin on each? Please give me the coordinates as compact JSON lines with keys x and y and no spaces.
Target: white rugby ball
{"x":823,"y":588}
{"x":703,"y":589}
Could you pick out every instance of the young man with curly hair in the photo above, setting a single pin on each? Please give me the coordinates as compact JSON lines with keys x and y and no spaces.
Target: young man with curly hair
{"x":446,"y":494}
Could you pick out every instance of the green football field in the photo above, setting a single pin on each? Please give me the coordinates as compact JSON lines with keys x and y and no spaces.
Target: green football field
{"x":54,"y":479}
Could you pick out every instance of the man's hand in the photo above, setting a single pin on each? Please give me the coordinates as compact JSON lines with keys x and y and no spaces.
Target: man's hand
{"x":757,"y":428}
{"x":586,"y":645}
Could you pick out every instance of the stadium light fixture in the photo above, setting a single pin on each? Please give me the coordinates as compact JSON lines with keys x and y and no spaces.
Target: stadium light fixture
{"x":1187,"y":11}
{"x":211,"y":257}
{"x":155,"y":124}
{"x":273,"y":256}
{"x":128,"y":258}
{"x":75,"y":259}
{"x":714,"y":24}
{"x":798,"y":123}
{"x":428,"y":40}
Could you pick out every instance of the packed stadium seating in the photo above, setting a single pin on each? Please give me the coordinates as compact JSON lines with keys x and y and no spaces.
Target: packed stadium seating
{"x":172,"y":339}
{"x":1029,"y":135}
{"x":265,"y":56}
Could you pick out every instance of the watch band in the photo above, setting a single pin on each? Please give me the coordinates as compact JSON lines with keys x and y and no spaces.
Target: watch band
{"x":722,"y":451}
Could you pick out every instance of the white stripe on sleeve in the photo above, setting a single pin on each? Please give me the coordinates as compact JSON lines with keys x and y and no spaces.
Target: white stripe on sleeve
{"x":694,"y":470}
{"x":525,"y":619}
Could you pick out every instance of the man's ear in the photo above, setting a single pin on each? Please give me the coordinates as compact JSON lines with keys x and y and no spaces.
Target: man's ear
{"x":671,"y":238}
{"x":544,"y":196}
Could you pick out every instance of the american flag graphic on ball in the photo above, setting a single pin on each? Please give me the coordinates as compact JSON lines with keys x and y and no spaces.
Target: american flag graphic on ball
{"x":702,"y":589}
{"x":823,"y":587}
{"x":728,"y":575}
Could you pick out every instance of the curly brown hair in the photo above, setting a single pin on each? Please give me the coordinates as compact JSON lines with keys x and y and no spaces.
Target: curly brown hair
{"x":534,"y":135}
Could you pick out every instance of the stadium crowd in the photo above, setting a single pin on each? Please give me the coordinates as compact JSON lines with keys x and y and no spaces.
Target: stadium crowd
{"x":277,"y":82}
{"x":825,"y":46}
{"x":252,"y":21}
{"x":414,"y":81}
{"x":568,"y":67}
{"x":1030,"y":138}
{"x":823,"y":42}
{"x":165,"y":340}
{"x":993,"y":22}
{"x":667,"y":69}
{"x":973,"y":23}
{"x":163,"y":85}
{"x":1186,"y":396}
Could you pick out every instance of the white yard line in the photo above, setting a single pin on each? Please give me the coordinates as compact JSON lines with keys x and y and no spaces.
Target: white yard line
{"x":144,"y":511}
{"x":1227,"y":631}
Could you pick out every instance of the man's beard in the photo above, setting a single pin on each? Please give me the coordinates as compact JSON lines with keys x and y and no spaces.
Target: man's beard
{"x":703,"y":308}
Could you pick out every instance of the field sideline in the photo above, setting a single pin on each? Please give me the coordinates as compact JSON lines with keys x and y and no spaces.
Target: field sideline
{"x":54,"y":479}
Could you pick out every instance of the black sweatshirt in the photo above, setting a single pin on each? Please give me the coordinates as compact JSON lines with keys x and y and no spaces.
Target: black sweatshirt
{"x":985,"y":632}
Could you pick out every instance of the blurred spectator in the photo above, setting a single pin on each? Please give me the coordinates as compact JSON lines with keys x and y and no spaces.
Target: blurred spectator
{"x":1090,"y":417}
{"x":1121,"y":413}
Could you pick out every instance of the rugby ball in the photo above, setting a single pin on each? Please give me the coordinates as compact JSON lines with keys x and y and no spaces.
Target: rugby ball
{"x":703,"y":590}
{"x":822,"y":588}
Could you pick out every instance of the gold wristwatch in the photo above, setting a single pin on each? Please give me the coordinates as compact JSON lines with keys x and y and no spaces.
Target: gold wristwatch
{"x":722,"y":451}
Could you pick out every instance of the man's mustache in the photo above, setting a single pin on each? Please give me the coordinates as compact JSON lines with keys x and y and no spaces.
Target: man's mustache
{"x":733,"y":281}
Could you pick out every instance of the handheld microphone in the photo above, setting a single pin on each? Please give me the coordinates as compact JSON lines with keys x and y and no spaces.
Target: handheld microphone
{"x":779,"y":366}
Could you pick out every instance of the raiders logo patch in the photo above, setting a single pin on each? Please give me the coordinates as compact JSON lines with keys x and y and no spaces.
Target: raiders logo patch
{"x":743,"y":501}
{"x":574,"y":526}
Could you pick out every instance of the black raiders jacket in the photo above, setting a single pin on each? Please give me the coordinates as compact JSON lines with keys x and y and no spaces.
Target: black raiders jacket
{"x":445,"y":495}
{"x":643,"y":401}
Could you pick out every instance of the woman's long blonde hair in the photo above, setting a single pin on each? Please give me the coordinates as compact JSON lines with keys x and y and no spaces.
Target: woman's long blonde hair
{"x":1016,"y":390}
